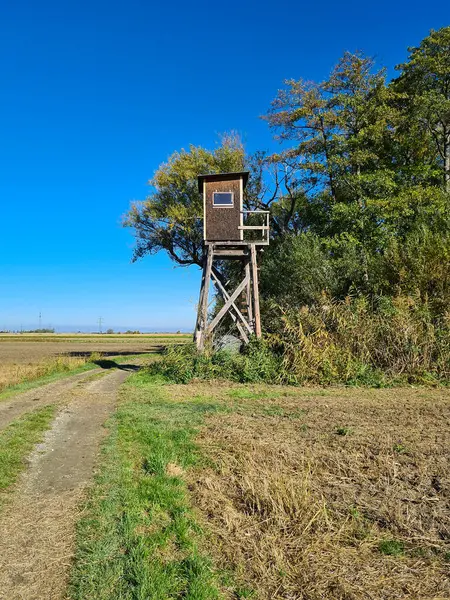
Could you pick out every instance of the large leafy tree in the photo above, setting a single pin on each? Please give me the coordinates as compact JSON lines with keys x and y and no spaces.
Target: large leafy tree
{"x":365,"y":163}
{"x":424,"y":86}
{"x":170,"y":218}
{"x":337,"y":131}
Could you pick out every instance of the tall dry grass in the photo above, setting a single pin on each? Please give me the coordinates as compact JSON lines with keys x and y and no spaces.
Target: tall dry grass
{"x":361,"y":341}
{"x":13,"y":374}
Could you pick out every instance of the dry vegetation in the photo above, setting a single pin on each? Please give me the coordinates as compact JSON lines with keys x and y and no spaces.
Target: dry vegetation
{"x":339,"y":494}
{"x":15,"y":373}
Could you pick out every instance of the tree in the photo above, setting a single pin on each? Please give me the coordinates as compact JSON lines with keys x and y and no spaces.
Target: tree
{"x":339,"y":129}
{"x":171,"y":217}
{"x":364,"y":177}
{"x":425,"y":85}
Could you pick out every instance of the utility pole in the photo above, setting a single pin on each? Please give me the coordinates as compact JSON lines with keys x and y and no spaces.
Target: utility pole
{"x":100,"y":321}
{"x":40,"y":320}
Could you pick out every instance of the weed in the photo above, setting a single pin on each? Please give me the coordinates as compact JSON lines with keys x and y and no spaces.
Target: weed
{"x":342,"y":430}
{"x":184,"y":363}
{"x":391,"y":547}
{"x":400,"y":448}
{"x":244,"y":592}
{"x":360,"y":342}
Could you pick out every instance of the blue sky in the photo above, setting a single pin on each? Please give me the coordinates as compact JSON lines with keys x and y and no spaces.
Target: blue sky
{"x":95,"y":95}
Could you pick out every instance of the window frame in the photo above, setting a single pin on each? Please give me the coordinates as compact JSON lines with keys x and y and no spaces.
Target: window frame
{"x":223,"y":205}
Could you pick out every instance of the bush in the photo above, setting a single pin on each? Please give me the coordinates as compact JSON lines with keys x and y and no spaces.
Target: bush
{"x":351,"y":342}
{"x":256,"y":363}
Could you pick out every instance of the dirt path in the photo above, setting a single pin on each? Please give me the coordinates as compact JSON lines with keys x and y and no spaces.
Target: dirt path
{"x":37,"y":527}
{"x":51,"y":393}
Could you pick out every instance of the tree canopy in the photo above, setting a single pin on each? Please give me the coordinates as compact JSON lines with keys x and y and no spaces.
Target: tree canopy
{"x":170,"y":218}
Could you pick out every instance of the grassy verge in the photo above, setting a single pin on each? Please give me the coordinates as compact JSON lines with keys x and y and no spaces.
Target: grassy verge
{"x":138,"y":538}
{"x":17,"y":441}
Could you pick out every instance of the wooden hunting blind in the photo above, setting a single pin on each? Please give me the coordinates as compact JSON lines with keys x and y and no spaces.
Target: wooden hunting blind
{"x":223,"y":197}
{"x":225,"y":224}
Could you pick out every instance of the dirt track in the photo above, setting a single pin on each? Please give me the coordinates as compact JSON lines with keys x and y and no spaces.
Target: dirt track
{"x":52,"y":393}
{"x":37,"y":526}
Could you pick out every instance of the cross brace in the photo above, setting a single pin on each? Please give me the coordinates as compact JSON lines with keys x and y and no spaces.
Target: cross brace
{"x":246,"y":324}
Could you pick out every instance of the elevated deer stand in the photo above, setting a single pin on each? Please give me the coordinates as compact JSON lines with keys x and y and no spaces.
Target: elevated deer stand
{"x":223,"y":234}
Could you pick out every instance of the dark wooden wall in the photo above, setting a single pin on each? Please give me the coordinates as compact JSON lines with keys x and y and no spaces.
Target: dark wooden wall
{"x":222,"y":223}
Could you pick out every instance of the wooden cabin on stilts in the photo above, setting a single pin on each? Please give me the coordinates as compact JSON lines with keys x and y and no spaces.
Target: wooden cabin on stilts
{"x":225,"y":227}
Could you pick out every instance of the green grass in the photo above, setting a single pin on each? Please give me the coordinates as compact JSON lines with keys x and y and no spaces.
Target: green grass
{"x":248,"y":394}
{"x":391,"y":547}
{"x":138,"y":539}
{"x":18,"y":439}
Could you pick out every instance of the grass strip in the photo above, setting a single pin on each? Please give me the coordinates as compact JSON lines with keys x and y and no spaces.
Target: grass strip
{"x":18,"y":439}
{"x":138,"y":538}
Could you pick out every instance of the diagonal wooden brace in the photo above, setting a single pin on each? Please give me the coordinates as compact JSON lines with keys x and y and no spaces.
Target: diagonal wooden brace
{"x":234,"y":317}
{"x":228,"y":304}
{"x":225,"y":295}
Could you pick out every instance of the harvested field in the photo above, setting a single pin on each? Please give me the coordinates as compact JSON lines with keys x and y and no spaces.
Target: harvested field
{"x":315,"y":494}
{"x":29,"y":357}
{"x":32,"y":348}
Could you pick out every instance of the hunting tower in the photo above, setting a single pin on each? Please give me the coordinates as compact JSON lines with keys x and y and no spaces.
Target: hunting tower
{"x":226,"y":226}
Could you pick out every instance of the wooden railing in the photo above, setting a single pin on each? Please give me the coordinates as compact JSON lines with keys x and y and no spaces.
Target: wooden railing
{"x":265,"y":228}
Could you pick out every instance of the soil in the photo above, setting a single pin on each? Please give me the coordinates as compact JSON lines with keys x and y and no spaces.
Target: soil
{"x":37,"y":526}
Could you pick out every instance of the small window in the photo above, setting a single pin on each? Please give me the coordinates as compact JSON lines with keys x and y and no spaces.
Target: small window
{"x":223,"y":199}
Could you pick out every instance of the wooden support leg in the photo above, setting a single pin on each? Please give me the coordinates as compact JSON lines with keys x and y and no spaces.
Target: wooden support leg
{"x":204,"y":300}
{"x":197,"y":329}
{"x":254,"y":270}
{"x":248,"y":296}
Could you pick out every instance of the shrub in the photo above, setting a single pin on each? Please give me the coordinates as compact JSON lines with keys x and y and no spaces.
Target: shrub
{"x":255,"y":364}
{"x":352,"y":342}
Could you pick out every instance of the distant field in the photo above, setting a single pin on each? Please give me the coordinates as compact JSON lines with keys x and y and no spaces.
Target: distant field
{"x":26,"y":357}
{"x":29,"y":348}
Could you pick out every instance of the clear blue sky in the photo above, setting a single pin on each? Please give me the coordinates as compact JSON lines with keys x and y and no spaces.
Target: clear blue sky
{"x":95,"y":95}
